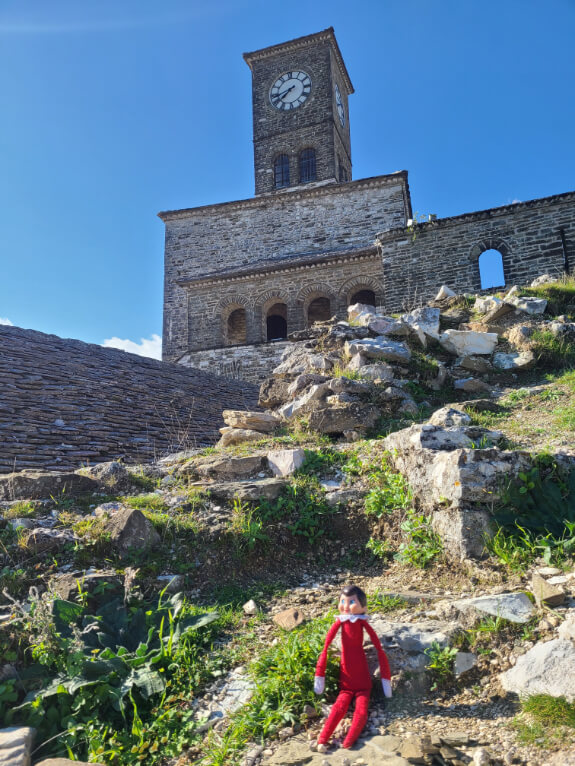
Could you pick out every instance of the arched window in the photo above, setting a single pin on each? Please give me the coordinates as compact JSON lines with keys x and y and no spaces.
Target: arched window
{"x":491,"y":269}
{"x":319,"y":310}
{"x":281,"y":171}
{"x":367,"y":297}
{"x":307,"y":171}
{"x":236,"y":327}
{"x":276,"y":322}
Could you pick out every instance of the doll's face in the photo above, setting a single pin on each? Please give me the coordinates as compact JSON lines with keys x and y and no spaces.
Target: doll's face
{"x":350,"y":605}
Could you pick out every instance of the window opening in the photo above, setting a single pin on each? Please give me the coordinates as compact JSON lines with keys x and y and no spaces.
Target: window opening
{"x":237,"y":327}
{"x":491,"y":269}
{"x":307,"y":169}
{"x":281,"y":171}
{"x":276,"y":322}
{"x":367,"y":297}
{"x":319,"y":310}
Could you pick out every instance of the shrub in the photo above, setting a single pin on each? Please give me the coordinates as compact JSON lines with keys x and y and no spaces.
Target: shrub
{"x":423,"y":544}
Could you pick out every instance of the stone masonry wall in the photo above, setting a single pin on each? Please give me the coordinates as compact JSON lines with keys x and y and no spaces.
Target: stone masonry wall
{"x":533,"y":238}
{"x":236,"y":235}
{"x":64,"y":403}
{"x":250,"y":363}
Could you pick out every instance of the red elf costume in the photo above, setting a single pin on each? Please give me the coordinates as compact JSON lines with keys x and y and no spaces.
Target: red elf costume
{"x":354,"y":678}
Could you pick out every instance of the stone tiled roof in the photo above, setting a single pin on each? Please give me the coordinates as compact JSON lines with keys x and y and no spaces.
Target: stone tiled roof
{"x":281,"y":263}
{"x":64,"y":403}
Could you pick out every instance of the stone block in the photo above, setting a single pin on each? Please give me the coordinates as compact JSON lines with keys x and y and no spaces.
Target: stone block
{"x":465,"y":342}
{"x":547,"y":668}
{"x":545,"y":593}
{"x":251,"y":421}
{"x":284,"y":462}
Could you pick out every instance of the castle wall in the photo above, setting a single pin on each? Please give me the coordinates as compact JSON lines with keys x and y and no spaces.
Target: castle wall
{"x":235,"y":236}
{"x":251,"y":363}
{"x":533,"y":238}
{"x":64,"y":404}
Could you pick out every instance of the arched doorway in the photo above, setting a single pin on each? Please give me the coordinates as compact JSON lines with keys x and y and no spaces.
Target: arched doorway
{"x":367,"y":297}
{"x":276,"y":322}
{"x":491,"y":269}
{"x":236,"y":327}
{"x":319,"y":310}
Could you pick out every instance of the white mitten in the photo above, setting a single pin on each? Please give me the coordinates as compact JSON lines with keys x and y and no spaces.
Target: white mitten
{"x":319,"y":684}
{"x":386,"y":687}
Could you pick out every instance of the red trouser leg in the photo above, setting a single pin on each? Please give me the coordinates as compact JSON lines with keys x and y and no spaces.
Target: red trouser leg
{"x":337,"y":712}
{"x":359,"y":718}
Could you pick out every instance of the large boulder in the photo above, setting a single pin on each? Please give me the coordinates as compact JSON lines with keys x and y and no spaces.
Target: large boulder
{"x":531,"y":306}
{"x":16,"y":745}
{"x":379,"y":348}
{"x":513,"y":607}
{"x":42,"y":540}
{"x":547,"y":668}
{"x":353,"y":416}
{"x":462,"y":531}
{"x":513,"y":361}
{"x":253,"y":421}
{"x":465,"y":342}
{"x":425,"y":322}
{"x":226,"y":468}
{"x":42,"y":485}
{"x":273,"y":392}
{"x":231,"y":436}
{"x":113,"y":475}
{"x":252,"y":491}
{"x":129,"y":529}
{"x":284,"y":462}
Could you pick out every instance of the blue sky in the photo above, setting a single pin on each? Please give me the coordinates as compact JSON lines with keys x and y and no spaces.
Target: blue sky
{"x":113,"y":111}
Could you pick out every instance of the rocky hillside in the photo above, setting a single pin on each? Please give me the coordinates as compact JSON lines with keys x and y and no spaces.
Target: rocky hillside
{"x":173,"y":612}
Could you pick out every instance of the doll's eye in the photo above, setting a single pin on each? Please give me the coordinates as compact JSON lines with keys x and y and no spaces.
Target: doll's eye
{"x":352,"y":602}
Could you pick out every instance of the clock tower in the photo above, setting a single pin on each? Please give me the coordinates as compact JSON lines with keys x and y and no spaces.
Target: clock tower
{"x":300,"y":93}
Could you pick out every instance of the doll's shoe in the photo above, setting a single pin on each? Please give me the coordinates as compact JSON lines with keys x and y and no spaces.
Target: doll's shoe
{"x":322,"y":748}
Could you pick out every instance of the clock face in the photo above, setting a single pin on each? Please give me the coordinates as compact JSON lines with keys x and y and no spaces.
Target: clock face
{"x":339,"y":105}
{"x":290,"y":90}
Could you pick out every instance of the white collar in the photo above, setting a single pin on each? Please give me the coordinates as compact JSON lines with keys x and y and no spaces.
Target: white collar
{"x":352,"y":617}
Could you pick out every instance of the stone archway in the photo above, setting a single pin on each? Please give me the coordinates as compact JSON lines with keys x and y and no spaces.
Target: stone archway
{"x":490,"y":259}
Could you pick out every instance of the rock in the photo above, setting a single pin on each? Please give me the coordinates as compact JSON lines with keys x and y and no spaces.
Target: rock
{"x":531,"y":306}
{"x":67,"y":586}
{"x":129,"y":528}
{"x":219,"y":467}
{"x":350,"y":417}
{"x":357,"y":309}
{"x":544,"y":279}
{"x":378,"y":749}
{"x":548,"y":571}
{"x":514,"y":607}
{"x":379,"y":348}
{"x":545,"y":592}
{"x":41,"y":540}
{"x":38,"y":485}
{"x":16,"y":746}
{"x":231,"y":436}
{"x":547,"y":668}
{"x":285,"y":461}
{"x":520,"y":336}
{"x":523,"y":360}
{"x":21,"y":523}
{"x":464,"y":662}
{"x":444,"y":292}
{"x":412,"y":749}
{"x":566,"y":630}
{"x":482,"y":757}
{"x":270,"y":489}
{"x":455,"y":738}
{"x":305,"y":381}
{"x":357,"y":362}
{"x":250,"y":608}
{"x":113,"y":475}
{"x":171,"y":583}
{"x":251,"y":421}
{"x":471,"y":385}
{"x":475,"y":364}
{"x":289,"y":618}
{"x":483,"y":305}
{"x":380,"y":325}
{"x":498,"y":312}
{"x":449,"y":416}
{"x":273,"y":392}
{"x":426,"y":319}
{"x":415,"y":637}
{"x":462,"y":531}
{"x":305,"y":402}
{"x":382,"y":372}
{"x":465,"y":342}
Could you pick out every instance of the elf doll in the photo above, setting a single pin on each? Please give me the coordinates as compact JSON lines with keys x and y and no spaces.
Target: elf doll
{"x":354,"y":678}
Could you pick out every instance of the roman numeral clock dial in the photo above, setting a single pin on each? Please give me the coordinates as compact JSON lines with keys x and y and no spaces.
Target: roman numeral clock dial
{"x":290,"y":90}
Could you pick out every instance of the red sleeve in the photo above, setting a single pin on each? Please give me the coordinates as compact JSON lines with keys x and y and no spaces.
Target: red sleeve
{"x":383,"y":663}
{"x":322,"y":662}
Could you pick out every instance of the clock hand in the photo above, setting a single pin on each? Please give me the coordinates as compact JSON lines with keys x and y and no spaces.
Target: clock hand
{"x":284,"y":93}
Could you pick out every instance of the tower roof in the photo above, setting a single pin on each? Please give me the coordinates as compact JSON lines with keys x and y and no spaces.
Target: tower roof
{"x":326,"y":35}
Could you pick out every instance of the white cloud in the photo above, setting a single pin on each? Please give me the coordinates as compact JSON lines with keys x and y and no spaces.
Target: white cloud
{"x":146,"y":347}
{"x":3,"y":320}
{"x":515,"y":201}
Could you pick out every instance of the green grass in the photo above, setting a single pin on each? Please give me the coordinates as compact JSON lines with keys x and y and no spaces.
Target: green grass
{"x":23,"y":509}
{"x":552,"y":352}
{"x":547,"y":722}
{"x":385,"y":602}
{"x":151,"y":502}
{"x":560,"y":296}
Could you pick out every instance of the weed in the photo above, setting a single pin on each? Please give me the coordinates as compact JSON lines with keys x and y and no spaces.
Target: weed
{"x":390,"y":491}
{"x":340,"y":371}
{"x":441,"y":660}
{"x":247,"y":527}
{"x":151,"y":502}
{"x":385,"y":602}
{"x":423,"y":544}
{"x":23,"y":509}
{"x":301,"y":508}
{"x":550,"y":711}
{"x":381,"y":549}
{"x":552,"y":351}
{"x":319,"y":463}
{"x":546,"y":722}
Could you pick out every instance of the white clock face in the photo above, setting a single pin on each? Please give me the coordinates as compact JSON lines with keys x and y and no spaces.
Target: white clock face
{"x":290,"y":90}
{"x":339,"y":105}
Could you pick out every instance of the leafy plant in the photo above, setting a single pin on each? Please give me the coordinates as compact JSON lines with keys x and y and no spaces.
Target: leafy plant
{"x":552,"y":351}
{"x":390,"y":492}
{"x":441,"y":660}
{"x":319,"y":462}
{"x":423,"y":544}
{"x":301,"y":508}
{"x":249,"y":529}
{"x":381,"y":549}
{"x":385,"y":602}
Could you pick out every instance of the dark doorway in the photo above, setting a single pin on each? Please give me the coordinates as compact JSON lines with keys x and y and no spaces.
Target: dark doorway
{"x":367,"y":297}
{"x":237,"y":327}
{"x":276,"y":322}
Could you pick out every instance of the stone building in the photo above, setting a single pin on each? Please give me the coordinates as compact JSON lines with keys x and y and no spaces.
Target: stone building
{"x":240,"y":276}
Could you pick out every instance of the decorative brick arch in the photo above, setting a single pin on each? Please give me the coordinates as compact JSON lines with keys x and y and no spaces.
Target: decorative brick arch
{"x":312,"y":292}
{"x":265,"y":301}
{"x":225,"y":308}
{"x":489,"y":243}
{"x":361,"y":282}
